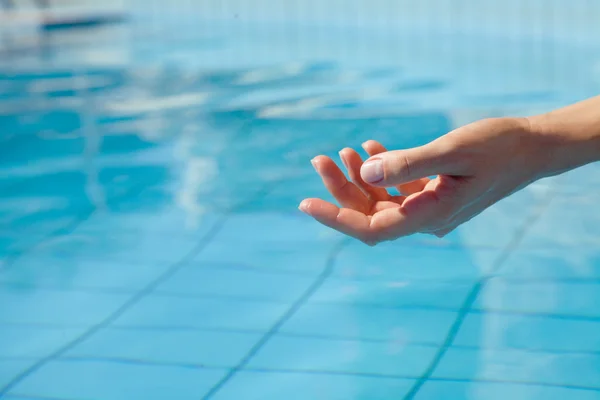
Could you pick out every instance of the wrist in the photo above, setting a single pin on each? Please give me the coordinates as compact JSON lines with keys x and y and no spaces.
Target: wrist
{"x":566,"y":139}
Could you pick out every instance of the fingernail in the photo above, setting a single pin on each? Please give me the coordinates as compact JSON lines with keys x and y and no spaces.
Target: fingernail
{"x":314,"y":163}
{"x":372,"y":171}
{"x":341,"y":154}
{"x":303,"y":206}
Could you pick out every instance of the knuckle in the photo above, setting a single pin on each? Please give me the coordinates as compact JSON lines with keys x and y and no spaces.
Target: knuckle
{"x":399,"y":167}
{"x":404,"y":166}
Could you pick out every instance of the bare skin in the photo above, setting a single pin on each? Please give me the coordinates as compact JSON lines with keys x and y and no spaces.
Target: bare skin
{"x":474,"y":166}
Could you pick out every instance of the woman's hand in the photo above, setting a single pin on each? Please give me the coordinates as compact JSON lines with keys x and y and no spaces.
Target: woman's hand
{"x":474,"y":167}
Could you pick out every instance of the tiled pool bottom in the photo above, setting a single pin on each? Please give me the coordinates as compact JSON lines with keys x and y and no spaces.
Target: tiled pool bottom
{"x":267,"y":305}
{"x":138,"y":298}
{"x":151,"y":247}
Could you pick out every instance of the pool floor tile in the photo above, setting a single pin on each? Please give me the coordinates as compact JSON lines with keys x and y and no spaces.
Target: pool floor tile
{"x":34,"y":341}
{"x":270,"y":257}
{"x":369,"y":323}
{"x":168,"y":222}
{"x":343,"y":356}
{"x":174,"y":346}
{"x":239,"y":283}
{"x":500,"y":391}
{"x":43,"y":219}
{"x":10,"y":369}
{"x":277,"y":242}
{"x":173,"y":312}
{"x":553,"y":264}
{"x":133,"y":247}
{"x":12,"y":245}
{"x":395,"y":261}
{"x":273,"y":228}
{"x":579,"y":299}
{"x":509,"y":365}
{"x":496,"y":331}
{"x":23,"y":305}
{"x":393,"y":293}
{"x":105,"y":380}
{"x":570,"y":222}
{"x":250,"y":385}
{"x":72,"y":273}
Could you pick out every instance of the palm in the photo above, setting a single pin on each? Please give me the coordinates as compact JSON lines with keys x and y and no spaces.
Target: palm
{"x":364,"y":208}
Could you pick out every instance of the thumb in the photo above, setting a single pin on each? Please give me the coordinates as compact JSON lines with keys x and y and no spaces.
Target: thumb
{"x":402,"y":166}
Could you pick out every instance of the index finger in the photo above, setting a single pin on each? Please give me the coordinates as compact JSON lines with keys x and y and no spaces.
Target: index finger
{"x":344,"y":191}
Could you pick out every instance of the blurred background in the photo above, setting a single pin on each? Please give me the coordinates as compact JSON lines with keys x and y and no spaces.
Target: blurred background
{"x":153,"y":154}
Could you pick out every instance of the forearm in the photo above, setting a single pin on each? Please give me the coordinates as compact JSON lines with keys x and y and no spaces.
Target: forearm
{"x":571,"y":135}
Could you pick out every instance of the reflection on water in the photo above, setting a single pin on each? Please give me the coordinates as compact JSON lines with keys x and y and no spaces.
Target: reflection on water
{"x":161,"y":198}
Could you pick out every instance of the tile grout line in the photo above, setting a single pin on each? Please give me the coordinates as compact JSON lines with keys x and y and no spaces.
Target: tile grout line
{"x":200,"y":366}
{"x":369,"y":306}
{"x":595,"y":389}
{"x":328,"y":268}
{"x":316,"y":337}
{"x":472,"y":296}
{"x":337,"y":279}
{"x":130,"y":302}
{"x":291,"y":311}
{"x":112,"y":317}
{"x":567,"y":317}
{"x":332,"y":338}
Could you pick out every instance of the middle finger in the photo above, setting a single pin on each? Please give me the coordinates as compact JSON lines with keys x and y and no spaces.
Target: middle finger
{"x":344,"y":191}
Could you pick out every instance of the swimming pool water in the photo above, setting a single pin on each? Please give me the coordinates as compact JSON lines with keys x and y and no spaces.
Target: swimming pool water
{"x":151,"y":248}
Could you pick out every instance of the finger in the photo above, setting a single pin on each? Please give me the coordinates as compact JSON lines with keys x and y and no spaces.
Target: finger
{"x":352,"y":161}
{"x":345,"y":192}
{"x":348,"y":221}
{"x":373,"y":148}
{"x":402,"y":166}
{"x":387,"y":224}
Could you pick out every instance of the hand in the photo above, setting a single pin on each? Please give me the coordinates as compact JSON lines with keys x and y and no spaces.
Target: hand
{"x":475,"y":166}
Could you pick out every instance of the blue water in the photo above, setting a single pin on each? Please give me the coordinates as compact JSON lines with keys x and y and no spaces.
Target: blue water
{"x":151,"y":248}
